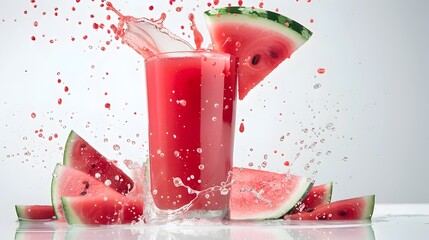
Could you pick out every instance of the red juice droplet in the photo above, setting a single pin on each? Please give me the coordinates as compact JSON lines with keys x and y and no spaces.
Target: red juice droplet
{"x":33,"y":115}
{"x":107,"y":105}
{"x":95,"y":26}
{"x":261,"y":5}
{"x":216,"y":2}
{"x":240,"y":3}
{"x":33,"y":38}
{"x":66,"y":89}
{"x":179,"y":9}
{"x":286,"y":163}
{"x":36,"y":23}
{"x":198,"y":37}
{"x":321,"y":70}
{"x":241,"y":129}
{"x":60,"y":101}
{"x":151,"y":7}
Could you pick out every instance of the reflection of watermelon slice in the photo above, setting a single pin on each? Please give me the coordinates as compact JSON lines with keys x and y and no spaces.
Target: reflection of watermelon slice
{"x":33,"y":231}
{"x":68,"y":181}
{"x":80,"y":155}
{"x":360,"y":208}
{"x":109,"y":208}
{"x":259,"y":38}
{"x":257,"y":194}
{"x":345,"y":232}
{"x":35,"y":212}
{"x":317,"y":195}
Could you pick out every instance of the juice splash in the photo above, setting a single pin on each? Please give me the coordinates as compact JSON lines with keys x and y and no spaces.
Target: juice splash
{"x":147,"y":37}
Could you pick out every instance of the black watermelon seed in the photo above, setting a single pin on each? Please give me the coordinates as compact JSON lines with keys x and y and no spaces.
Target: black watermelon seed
{"x":342,"y":213}
{"x":255,"y":59}
{"x":83,"y":193}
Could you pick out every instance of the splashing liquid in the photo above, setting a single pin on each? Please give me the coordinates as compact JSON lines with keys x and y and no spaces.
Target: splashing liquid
{"x":154,"y":215}
{"x":149,"y":37}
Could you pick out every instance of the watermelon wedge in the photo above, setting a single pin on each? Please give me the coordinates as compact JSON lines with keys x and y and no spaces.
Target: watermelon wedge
{"x":110,"y":208}
{"x":257,"y":194}
{"x":360,"y":208}
{"x":35,"y":212}
{"x":317,"y":195}
{"x":80,"y":155}
{"x":67,"y":181}
{"x":260,"y":39}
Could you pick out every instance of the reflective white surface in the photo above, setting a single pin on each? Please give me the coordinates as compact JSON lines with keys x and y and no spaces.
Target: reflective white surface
{"x":389,"y":222}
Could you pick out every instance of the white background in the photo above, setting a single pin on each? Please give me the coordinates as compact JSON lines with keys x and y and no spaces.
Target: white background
{"x":373,"y":94}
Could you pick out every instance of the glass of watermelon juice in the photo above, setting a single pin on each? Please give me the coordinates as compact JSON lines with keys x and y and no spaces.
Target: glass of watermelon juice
{"x":191,"y":107}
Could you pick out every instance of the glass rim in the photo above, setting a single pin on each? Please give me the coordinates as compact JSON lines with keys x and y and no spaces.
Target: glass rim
{"x":187,"y":53}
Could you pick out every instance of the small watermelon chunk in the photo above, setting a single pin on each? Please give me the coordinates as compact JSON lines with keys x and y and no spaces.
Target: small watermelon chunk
{"x":360,"y":208}
{"x":257,"y":194}
{"x":318,"y":195}
{"x":35,"y":212}
{"x":79,"y":154}
{"x":260,"y":39}
{"x":110,"y":208}
{"x":67,"y":181}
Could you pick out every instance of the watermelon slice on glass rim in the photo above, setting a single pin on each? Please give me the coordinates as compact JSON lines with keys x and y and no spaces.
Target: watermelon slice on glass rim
{"x":260,"y":39}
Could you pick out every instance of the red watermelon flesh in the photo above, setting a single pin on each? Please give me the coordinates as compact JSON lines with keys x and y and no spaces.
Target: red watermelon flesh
{"x":35,"y":212}
{"x":257,"y":194}
{"x":260,"y":39}
{"x":67,"y":181}
{"x":109,"y":208}
{"x":80,"y":155}
{"x":317,"y":195}
{"x":360,"y":208}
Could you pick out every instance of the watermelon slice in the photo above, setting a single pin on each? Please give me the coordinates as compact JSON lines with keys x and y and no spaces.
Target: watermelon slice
{"x":257,"y":194}
{"x":360,"y":208}
{"x":111,"y":208}
{"x":35,"y":212}
{"x":68,"y":181}
{"x":318,"y":195}
{"x":80,"y":155}
{"x":260,"y":39}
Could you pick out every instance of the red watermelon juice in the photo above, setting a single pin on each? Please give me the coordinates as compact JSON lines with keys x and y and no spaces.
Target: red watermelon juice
{"x":191,"y":106}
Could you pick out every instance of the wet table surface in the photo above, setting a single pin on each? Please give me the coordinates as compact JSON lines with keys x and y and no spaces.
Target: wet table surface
{"x":399,"y":221}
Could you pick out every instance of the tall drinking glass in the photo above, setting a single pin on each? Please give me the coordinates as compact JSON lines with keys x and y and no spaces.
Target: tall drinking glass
{"x":191,"y":104}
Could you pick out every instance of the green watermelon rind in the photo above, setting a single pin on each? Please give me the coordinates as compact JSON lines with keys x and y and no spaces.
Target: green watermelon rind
{"x":71,"y":217}
{"x":369,"y":210}
{"x":287,"y":24}
{"x":69,"y":147}
{"x":54,"y":187}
